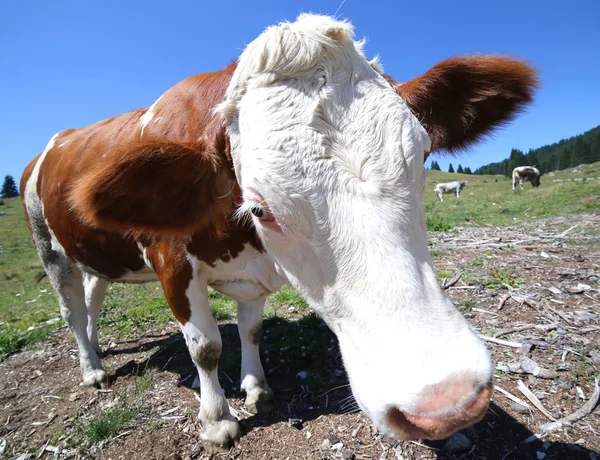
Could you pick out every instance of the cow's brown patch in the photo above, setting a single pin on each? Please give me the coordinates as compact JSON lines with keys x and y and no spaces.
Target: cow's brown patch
{"x":255,"y":334}
{"x":167,"y":255}
{"x":207,"y":356}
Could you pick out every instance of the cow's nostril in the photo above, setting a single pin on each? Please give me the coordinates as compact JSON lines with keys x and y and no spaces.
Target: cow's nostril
{"x":437,"y":417}
{"x":405,"y":429}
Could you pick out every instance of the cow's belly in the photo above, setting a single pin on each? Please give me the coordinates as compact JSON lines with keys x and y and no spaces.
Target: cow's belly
{"x":252,"y":275}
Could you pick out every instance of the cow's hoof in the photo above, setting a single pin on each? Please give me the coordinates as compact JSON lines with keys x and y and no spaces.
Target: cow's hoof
{"x":95,"y":378}
{"x":260,"y":401}
{"x":220,"y":436}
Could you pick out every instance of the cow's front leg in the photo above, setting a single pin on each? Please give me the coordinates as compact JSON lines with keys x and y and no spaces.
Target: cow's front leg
{"x":259,"y":397}
{"x":203,"y":339}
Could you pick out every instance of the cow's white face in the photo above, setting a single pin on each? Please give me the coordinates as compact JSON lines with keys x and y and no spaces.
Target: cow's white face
{"x":330,"y":162}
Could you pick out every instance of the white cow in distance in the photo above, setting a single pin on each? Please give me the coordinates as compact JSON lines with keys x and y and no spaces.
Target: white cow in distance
{"x":449,"y":187}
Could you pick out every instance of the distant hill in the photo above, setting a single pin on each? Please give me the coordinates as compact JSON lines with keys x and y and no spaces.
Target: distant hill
{"x":566,"y":153}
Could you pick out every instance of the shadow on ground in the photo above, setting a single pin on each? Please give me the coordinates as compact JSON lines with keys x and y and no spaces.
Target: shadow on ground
{"x":307,"y":345}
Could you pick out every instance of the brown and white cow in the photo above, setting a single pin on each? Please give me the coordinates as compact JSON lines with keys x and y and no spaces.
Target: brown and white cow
{"x":299,"y":164}
{"x":449,"y":187}
{"x":525,"y":173}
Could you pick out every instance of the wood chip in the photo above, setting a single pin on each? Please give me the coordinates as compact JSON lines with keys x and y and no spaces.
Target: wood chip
{"x":536,"y":402}
{"x":512,"y":397}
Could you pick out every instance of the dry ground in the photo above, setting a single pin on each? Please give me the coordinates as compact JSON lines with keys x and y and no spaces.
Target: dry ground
{"x":533,"y":270}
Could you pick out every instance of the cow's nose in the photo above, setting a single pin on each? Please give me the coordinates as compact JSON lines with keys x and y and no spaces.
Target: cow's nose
{"x":442,"y":410}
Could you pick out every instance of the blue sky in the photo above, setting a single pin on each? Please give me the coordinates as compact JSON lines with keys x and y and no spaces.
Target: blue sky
{"x":67,"y":64}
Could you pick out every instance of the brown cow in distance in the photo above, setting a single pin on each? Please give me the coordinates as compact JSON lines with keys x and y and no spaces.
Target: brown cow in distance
{"x":303,"y":164}
{"x":525,"y":173}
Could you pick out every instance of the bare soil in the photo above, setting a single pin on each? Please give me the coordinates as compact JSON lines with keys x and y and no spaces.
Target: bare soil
{"x":42,"y":406}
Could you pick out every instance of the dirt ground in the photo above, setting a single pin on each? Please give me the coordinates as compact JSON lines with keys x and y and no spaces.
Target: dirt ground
{"x":541,"y":277}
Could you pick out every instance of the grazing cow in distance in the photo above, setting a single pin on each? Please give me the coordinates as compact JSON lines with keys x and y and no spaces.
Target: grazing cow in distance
{"x":450,"y":187}
{"x":525,"y":173}
{"x":301,"y":163}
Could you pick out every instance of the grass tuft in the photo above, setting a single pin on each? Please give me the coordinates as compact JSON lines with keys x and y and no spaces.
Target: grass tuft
{"x":108,"y":424}
{"x":499,"y":277}
{"x":288,"y":297}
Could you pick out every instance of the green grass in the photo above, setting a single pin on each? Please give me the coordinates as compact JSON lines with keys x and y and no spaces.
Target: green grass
{"x":119,"y":417}
{"x":499,"y":277}
{"x":466,"y":306}
{"x":487,"y":202}
{"x":288,"y":297}
{"x":108,"y":424}
{"x":444,"y":274}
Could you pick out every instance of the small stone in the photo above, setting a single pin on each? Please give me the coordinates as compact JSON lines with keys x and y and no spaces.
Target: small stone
{"x":458,"y":443}
{"x":326,"y":443}
{"x":302,"y":375}
{"x":337,"y":446}
{"x":540,"y":455}
{"x":291,"y":309}
{"x":546,"y":445}
{"x":545,"y":255}
{"x":73,"y":397}
{"x":519,"y":408}
{"x":347,"y":454}
{"x":308,"y":435}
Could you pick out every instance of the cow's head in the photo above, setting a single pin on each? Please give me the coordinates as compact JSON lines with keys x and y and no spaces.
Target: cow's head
{"x":329,"y":155}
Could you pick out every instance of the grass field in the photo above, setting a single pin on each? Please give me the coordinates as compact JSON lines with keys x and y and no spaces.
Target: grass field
{"x":29,"y":310}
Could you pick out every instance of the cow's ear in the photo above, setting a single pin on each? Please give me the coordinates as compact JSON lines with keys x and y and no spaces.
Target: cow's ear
{"x":157,"y":187}
{"x":462,"y":99}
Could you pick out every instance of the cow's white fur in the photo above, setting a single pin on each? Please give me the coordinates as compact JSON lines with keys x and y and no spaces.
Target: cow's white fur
{"x":337,"y":157}
{"x":147,"y":116}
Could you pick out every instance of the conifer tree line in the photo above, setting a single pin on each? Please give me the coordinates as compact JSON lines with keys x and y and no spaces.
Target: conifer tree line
{"x":567,"y":153}
{"x":460,"y":170}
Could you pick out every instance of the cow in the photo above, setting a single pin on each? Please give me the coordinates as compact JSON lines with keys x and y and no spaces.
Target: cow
{"x":449,"y":187}
{"x":301,"y":163}
{"x":525,"y":173}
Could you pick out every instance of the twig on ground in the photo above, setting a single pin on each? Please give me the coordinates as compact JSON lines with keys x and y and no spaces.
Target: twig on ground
{"x":506,"y":343}
{"x":503,"y":300}
{"x":511,"y":396}
{"x":561,"y":315}
{"x":584,"y":410}
{"x":543,"y":327}
{"x":452,"y":281}
{"x":534,"y":400}
{"x":481,"y":310}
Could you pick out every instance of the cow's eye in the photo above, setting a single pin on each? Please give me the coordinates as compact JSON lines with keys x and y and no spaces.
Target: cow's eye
{"x":261,"y":212}
{"x":257,"y":212}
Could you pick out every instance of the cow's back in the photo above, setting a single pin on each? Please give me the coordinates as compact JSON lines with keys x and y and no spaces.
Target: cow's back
{"x":45,"y":185}
{"x":181,"y":114}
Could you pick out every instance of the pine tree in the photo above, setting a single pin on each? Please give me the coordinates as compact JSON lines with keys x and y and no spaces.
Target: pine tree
{"x":532,"y":159}
{"x":468,"y":170}
{"x":460,"y":170}
{"x":9,"y":188}
{"x":564,"y":160}
{"x":450,"y":168}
